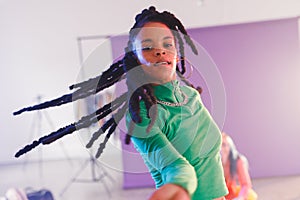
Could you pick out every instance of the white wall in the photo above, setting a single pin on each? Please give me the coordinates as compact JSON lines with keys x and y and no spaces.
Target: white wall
{"x":39,"y":53}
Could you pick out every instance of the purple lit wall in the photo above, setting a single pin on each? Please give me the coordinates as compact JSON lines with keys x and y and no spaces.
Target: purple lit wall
{"x":260,"y":67}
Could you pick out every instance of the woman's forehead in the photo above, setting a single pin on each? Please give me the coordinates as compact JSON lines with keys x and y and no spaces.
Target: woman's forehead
{"x":154,"y":30}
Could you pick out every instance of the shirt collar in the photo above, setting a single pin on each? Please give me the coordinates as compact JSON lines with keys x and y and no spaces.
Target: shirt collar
{"x":169,"y":91}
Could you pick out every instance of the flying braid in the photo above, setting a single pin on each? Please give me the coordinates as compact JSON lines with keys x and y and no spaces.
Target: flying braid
{"x":84,"y":122}
{"x":85,"y":89}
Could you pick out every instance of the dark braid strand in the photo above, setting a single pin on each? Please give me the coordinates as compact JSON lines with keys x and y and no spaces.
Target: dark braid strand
{"x":87,"y":88}
{"x":117,"y":117}
{"x":97,"y":134}
{"x":84,"y":122}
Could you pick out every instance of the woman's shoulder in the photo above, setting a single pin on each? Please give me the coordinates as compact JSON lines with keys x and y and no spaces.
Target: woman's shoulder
{"x":144,"y":113}
{"x":189,"y":90}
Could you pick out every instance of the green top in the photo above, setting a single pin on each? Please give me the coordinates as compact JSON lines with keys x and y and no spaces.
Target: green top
{"x":183,"y":145}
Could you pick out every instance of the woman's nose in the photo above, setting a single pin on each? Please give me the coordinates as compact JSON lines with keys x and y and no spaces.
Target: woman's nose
{"x":159,"y":52}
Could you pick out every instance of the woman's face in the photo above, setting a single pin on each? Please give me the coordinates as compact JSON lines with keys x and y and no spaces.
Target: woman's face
{"x":156,"y":51}
{"x":225,"y":149}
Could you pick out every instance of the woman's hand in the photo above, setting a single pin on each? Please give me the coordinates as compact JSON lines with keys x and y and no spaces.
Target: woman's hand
{"x":170,"y":192}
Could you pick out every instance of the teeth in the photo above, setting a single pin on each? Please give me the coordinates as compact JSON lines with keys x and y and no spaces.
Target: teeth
{"x":161,"y":63}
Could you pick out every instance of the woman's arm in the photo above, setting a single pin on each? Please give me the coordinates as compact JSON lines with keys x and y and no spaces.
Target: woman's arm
{"x":244,"y":178}
{"x":163,"y":159}
{"x":170,"y":192}
{"x":160,"y":155}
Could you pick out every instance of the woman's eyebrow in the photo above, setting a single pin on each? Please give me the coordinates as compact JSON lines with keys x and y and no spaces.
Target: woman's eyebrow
{"x":146,"y":40}
{"x":150,"y":40}
{"x":168,"y":37}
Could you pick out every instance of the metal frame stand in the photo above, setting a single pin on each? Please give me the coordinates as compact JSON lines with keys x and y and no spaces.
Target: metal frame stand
{"x":95,"y":175}
{"x":98,"y":172}
{"x":37,"y":124}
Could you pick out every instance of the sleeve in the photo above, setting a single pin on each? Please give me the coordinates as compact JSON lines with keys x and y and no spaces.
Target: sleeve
{"x":156,"y":176}
{"x":163,"y":160}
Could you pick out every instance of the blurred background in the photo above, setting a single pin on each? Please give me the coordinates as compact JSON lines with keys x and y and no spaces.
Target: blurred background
{"x":43,"y":45}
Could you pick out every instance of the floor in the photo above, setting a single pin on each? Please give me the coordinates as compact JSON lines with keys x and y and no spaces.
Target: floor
{"x":83,"y":179}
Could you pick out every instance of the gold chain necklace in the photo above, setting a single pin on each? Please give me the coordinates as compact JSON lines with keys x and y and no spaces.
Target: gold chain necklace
{"x":177,"y":104}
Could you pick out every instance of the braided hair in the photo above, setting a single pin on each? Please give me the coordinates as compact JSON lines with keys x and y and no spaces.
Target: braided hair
{"x":130,"y":100}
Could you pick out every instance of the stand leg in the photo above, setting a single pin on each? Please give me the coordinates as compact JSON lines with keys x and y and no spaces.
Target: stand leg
{"x":74,"y":177}
{"x":35,"y":129}
{"x":94,"y":177}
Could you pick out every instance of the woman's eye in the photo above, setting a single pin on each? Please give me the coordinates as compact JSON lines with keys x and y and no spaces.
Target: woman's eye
{"x":168,"y":45}
{"x":146,"y":48}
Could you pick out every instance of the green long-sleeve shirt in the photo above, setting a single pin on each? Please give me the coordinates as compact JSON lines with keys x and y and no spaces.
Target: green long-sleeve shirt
{"x":183,"y":145}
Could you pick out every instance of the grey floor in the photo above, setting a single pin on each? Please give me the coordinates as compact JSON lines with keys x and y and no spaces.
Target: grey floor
{"x":59,"y":178}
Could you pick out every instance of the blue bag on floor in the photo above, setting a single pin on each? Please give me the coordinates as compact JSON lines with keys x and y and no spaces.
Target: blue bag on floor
{"x":39,"y":195}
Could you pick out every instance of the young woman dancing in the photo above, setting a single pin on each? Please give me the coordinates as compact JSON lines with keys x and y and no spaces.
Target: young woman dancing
{"x":167,"y":121}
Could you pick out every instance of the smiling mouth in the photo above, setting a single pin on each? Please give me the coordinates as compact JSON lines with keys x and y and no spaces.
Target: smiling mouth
{"x":162,"y":63}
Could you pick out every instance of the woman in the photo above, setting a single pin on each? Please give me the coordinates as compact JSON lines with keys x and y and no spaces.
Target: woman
{"x":184,"y":162}
{"x":236,"y":173}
